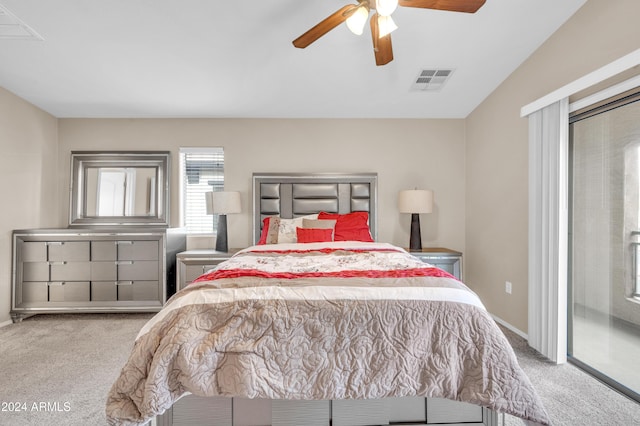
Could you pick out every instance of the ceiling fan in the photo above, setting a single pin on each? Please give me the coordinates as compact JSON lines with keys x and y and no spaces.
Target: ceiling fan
{"x":381,"y":23}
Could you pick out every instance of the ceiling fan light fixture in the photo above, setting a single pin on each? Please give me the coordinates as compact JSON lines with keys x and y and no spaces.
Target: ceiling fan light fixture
{"x":386,"y":7}
{"x":358,"y":19}
{"x":385,"y":26}
{"x":381,"y":23}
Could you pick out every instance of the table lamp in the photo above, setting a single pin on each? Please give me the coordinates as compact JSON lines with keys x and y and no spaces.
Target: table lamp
{"x":415,"y":201}
{"x":222,"y":203}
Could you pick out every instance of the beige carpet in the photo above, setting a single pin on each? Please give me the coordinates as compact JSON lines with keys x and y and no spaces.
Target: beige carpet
{"x":57,"y":370}
{"x":571,"y":397}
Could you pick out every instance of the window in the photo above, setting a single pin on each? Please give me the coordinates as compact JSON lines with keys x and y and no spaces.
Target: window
{"x":201,"y":171}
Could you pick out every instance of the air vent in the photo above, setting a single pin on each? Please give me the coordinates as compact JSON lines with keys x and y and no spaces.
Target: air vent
{"x":431,"y":80}
{"x":12,"y":28}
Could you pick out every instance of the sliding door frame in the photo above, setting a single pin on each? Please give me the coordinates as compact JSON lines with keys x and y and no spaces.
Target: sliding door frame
{"x":606,"y":105}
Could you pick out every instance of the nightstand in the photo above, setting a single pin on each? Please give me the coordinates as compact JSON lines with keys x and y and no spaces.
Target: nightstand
{"x":193,"y":263}
{"x":443,"y":258}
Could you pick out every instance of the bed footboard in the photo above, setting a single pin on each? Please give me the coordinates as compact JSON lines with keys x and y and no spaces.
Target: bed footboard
{"x":220,"y":411}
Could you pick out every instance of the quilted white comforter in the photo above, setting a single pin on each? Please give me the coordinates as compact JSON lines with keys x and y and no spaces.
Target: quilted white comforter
{"x":322,"y":321}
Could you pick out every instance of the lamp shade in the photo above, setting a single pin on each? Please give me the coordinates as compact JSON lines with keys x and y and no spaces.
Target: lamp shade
{"x":358,"y":19}
{"x":415,"y":201}
{"x":223,"y":202}
{"x":386,"y":7}
{"x":385,"y":25}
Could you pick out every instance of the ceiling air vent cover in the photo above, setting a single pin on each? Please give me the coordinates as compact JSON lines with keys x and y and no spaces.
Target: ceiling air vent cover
{"x":431,"y":80}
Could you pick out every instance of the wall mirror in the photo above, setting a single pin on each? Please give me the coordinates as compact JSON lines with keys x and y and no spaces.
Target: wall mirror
{"x":116,"y":188}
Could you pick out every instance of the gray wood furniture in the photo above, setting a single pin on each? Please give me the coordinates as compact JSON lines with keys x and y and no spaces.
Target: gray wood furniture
{"x":118,"y":254}
{"x":92,"y":270}
{"x":191,"y":264}
{"x":443,"y":258}
{"x":291,"y":195}
{"x":220,"y":411}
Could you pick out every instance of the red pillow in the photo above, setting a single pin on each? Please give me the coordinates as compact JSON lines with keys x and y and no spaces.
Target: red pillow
{"x":265,"y":231}
{"x":270,"y":227}
{"x":314,"y":235}
{"x":349,"y":227}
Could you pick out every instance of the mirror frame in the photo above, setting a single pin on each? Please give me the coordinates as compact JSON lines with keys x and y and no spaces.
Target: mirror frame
{"x":81,"y":161}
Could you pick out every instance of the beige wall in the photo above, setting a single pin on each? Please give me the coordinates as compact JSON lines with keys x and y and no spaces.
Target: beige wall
{"x":404,"y":153}
{"x":28,"y":170}
{"x":496,"y":146}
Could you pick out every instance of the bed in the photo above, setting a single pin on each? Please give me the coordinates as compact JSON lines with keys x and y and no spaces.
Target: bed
{"x":319,"y":324}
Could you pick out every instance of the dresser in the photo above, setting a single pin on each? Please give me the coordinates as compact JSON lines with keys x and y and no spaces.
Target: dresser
{"x":193,"y":263}
{"x":443,"y":258}
{"x":89,"y":270}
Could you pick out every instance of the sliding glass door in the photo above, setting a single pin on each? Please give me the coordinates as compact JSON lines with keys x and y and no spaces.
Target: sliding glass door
{"x":604,"y":299}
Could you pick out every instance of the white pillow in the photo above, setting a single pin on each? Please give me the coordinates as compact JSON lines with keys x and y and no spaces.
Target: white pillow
{"x":287,"y":229}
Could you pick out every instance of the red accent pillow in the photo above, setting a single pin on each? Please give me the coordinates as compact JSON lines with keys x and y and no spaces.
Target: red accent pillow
{"x":314,"y":235}
{"x":265,"y":231}
{"x":349,"y":227}
{"x":270,"y":228}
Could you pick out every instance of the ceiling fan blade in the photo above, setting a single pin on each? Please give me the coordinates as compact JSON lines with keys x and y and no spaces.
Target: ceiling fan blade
{"x":468,"y":6}
{"x":324,"y":26}
{"x":381,"y":45}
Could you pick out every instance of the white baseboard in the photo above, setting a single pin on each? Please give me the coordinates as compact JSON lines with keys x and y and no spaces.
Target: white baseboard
{"x":6,"y":323}
{"x":510,"y":327}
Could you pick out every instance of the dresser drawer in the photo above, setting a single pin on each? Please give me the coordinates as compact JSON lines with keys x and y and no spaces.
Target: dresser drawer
{"x":35,"y":291}
{"x":194,"y":271}
{"x":138,"y":290}
{"x":104,"y":271}
{"x":137,"y":250}
{"x":104,"y":291}
{"x":69,"y":291}
{"x":35,"y":271}
{"x":104,"y":251}
{"x":359,"y":412}
{"x":34,"y":251}
{"x":70,"y":271}
{"x":68,"y":251}
{"x":130,"y":270}
{"x":446,"y":411}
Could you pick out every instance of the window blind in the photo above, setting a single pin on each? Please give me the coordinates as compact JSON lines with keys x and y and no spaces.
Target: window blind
{"x":201,"y":171}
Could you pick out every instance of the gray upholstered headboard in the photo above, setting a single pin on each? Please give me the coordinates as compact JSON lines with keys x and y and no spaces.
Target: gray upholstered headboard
{"x":292,"y":195}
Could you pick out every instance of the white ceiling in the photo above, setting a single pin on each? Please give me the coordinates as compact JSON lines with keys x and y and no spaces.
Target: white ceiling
{"x":208,"y":58}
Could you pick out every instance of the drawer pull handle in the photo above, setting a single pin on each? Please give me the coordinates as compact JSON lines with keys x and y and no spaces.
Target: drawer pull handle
{"x":50,"y":284}
{"x":124,"y":262}
{"x":124,"y":283}
{"x":58,"y":263}
{"x":124,"y":242}
{"x":55,"y":243}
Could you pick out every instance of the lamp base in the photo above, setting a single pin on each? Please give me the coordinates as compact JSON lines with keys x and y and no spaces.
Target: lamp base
{"x":221,"y":238}
{"x":415,"y":242}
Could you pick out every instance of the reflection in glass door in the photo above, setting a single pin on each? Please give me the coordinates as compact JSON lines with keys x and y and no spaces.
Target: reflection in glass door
{"x":604,"y":301}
